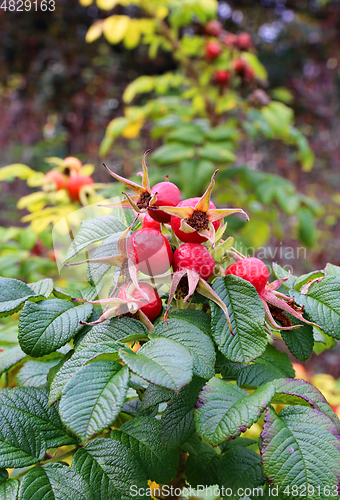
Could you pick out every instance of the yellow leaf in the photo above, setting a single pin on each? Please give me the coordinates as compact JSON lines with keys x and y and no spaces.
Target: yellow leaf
{"x":107,"y":4}
{"x":141,"y":85}
{"x":87,"y":169}
{"x":30,"y":199}
{"x":162,"y":12}
{"x":85,"y":3}
{"x":133,"y":129}
{"x":147,"y":26}
{"x":54,"y":160}
{"x":16,"y":170}
{"x":94,"y":32}
{"x":132,"y":35}
{"x":115,"y":127}
{"x":36,"y":179}
{"x":38,"y":225}
{"x":115,"y":28}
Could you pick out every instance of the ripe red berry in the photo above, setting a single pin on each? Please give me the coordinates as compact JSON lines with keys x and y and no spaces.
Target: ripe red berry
{"x":239,"y":66}
{"x":75,"y":183}
{"x":176,"y":223}
{"x":56,"y":177}
{"x":150,"y":223}
{"x":249,"y":74}
{"x":169,"y":195}
{"x":230,"y":40}
{"x":152,"y":308}
{"x":150,"y":251}
{"x":252,"y":270}
{"x":212,"y":50}
{"x":213,"y":28}
{"x":244,"y":41}
{"x":194,"y":256}
{"x":222,"y":77}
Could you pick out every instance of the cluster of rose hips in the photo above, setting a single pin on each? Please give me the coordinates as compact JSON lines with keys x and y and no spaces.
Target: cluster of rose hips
{"x":70,"y":178}
{"x":193,"y":226}
{"x":214,"y":49}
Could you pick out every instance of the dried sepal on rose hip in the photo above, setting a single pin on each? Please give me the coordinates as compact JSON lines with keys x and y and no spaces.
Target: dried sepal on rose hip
{"x":196,"y":220}
{"x":275,"y":303}
{"x":163,"y":193}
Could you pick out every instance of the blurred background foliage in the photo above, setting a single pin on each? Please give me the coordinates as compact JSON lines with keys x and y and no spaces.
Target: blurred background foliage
{"x":106,"y":79}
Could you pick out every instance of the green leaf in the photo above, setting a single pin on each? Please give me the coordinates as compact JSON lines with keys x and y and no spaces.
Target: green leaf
{"x":28,"y":427}
{"x":54,"y":482}
{"x":222,"y":133}
{"x":306,"y":228}
{"x":228,"y":369}
{"x":155,"y":395}
{"x":93,"y":398}
{"x":110,"y":469}
{"x":177,"y":422}
{"x":170,"y":154}
{"x":188,"y":134}
{"x":322,"y":304}
{"x":199,"y":172}
{"x":281,"y":273}
{"x":217,"y":153}
{"x":331,"y":270}
{"x":13,"y":294}
{"x":3,"y":475}
{"x":46,"y":326}
{"x":202,"y":463}
{"x":142,"y":85}
{"x":142,"y":436}
{"x":240,"y":468}
{"x":163,"y":362}
{"x":305,"y":278}
{"x":9,"y":490}
{"x":42,"y":288}
{"x":224,"y":411}
{"x":101,"y":339}
{"x":299,"y":449}
{"x":11,"y":357}
{"x":247,"y":318}
{"x":194,"y":339}
{"x":272,"y":365}
{"x":92,"y":231}
{"x":195,"y":317}
{"x":300,"y":341}
{"x":95,"y":271}
{"x":34,"y":373}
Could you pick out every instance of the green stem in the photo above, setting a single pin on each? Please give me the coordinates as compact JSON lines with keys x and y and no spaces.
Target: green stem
{"x":49,"y":461}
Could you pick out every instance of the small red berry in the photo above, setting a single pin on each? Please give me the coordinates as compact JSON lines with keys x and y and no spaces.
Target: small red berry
{"x":239,"y":66}
{"x":244,"y":41}
{"x":38,"y":249}
{"x":230,"y":40}
{"x":212,"y":50}
{"x":168,"y":195}
{"x":176,"y":223}
{"x":249,"y":74}
{"x":150,"y":251}
{"x":213,"y":28}
{"x":196,"y":257}
{"x":152,"y":308}
{"x":150,"y":223}
{"x":56,"y":177}
{"x":252,"y":270}
{"x":222,"y":77}
{"x":75,"y":183}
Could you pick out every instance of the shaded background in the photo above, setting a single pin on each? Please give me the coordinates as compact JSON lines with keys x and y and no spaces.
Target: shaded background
{"x":57,"y":95}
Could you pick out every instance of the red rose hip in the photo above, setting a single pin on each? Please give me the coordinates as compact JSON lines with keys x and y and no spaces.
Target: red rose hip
{"x":150,"y":251}
{"x":150,"y":223}
{"x":212,"y":50}
{"x":168,"y":195}
{"x":56,"y":177}
{"x":196,"y":257}
{"x":252,"y":270}
{"x":244,"y":41}
{"x":152,"y":308}
{"x":75,"y":183}
{"x":222,"y":77}
{"x":176,"y":223}
{"x":213,"y":28}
